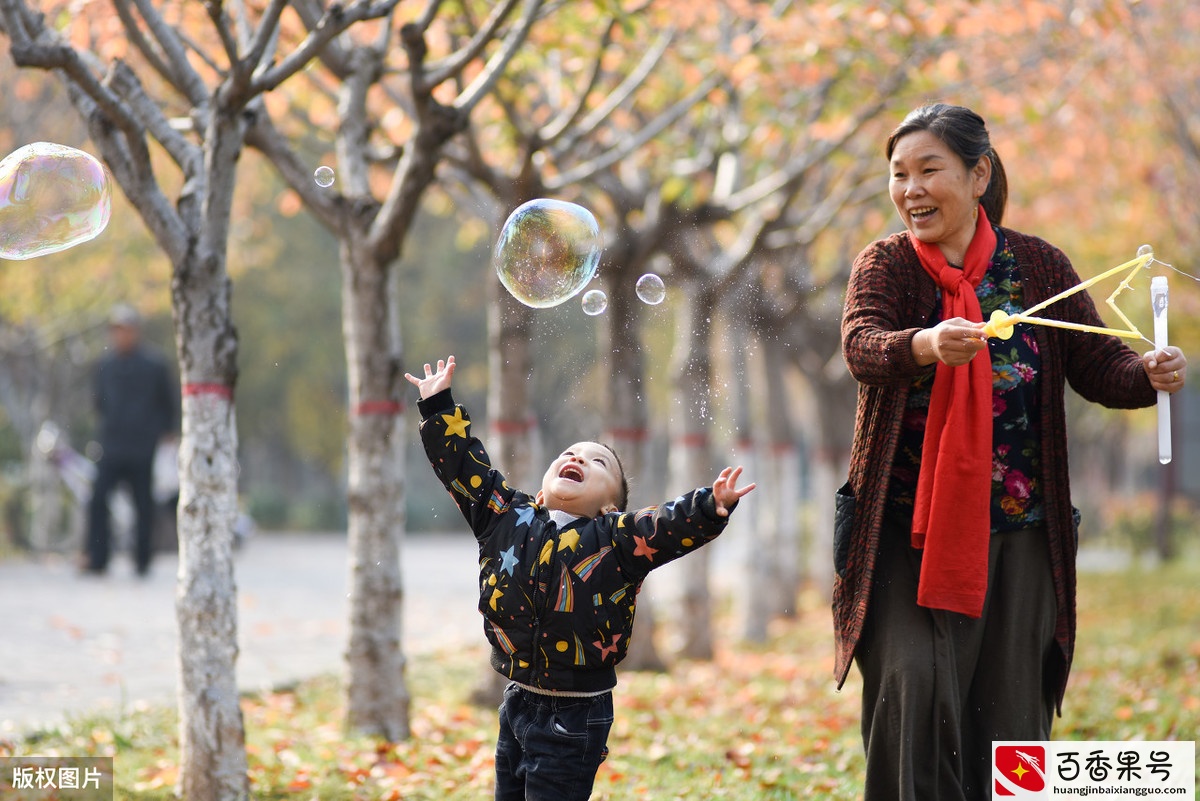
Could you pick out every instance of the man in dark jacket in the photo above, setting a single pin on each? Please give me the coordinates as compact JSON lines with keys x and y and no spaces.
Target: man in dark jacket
{"x":137,"y":404}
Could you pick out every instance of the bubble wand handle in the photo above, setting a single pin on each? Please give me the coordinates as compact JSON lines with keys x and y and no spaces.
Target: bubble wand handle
{"x":1158,"y":301}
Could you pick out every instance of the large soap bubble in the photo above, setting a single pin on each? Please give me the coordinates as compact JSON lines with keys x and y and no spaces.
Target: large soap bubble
{"x":547,"y":252}
{"x":51,"y":198}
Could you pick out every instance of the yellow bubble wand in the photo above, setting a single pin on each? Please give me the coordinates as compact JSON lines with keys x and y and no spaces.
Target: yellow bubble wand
{"x":1000,"y":324}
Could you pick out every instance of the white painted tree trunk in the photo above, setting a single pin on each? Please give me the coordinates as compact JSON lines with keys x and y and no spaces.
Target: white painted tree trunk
{"x":212,"y":743}
{"x":627,"y":430}
{"x":689,"y":464}
{"x":376,"y":692}
{"x":512,"y":436}
{"x":781,"y":470}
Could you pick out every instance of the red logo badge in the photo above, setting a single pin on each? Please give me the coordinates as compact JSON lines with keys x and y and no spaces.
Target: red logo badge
{"x":1019,"y":770}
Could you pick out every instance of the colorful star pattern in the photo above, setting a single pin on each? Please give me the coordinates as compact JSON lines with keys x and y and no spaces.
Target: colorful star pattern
{"x":569,"y":539}
{"x":525,"y":515}
{"x":456,"y":424}
{"x":643,"y":549}
{"x":537,"y":614}
{"x":607,"y":650}
{"x":509,"y":560}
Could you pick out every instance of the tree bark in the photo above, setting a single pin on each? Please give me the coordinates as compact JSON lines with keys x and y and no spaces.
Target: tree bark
{"x":690,"y":462}
{"x":627,"y":430}
{"x":780,"y":471}
{"x":512,"y":436}
{"x":212,"y":743}
{"x":377,"y":697}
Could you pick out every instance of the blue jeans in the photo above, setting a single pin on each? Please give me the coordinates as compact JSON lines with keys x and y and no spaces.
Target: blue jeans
{"x":550,"y":747}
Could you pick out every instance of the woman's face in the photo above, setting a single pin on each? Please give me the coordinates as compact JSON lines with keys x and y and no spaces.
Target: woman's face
{"x":935,"y":194}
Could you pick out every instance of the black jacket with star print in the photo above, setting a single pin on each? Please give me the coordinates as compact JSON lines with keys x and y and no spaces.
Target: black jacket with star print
{"x":557,"y":601}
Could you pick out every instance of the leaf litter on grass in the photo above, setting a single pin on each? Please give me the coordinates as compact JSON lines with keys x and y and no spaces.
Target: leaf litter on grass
{"x":761,"y":722}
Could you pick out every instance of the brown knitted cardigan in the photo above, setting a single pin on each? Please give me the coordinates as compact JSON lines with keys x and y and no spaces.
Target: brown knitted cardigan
{"x":889,"y":299}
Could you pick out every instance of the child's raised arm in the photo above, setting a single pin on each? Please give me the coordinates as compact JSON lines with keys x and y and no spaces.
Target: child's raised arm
{"x":725,"y":489}
{"x":434,"y":382}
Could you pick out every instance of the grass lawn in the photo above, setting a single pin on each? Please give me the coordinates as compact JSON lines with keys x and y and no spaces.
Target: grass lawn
{"x":756,"y":724}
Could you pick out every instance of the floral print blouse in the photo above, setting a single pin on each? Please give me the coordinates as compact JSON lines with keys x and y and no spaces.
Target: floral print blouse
{"x":1016,"y":471}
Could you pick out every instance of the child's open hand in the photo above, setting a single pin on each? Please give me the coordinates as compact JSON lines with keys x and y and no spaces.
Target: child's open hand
{"x":434,"y":382}
{"x":725,"y":489}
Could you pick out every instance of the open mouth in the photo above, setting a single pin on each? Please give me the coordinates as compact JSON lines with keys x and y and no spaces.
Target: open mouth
{"x":571,"y":472}
{"x":923,"y":213}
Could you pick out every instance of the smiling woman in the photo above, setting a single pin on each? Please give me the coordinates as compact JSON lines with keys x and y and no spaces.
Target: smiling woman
{"x":936,"y":194}
{"x":955,"y":588}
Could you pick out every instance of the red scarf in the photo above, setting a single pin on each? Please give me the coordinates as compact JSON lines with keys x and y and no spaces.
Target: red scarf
{"x":952,"y":517}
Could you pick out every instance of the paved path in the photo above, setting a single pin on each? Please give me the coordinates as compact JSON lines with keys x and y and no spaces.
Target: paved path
{"x":70,"y":643}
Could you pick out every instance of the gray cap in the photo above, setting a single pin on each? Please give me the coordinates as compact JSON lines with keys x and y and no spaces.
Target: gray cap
{"x":124,"y":314}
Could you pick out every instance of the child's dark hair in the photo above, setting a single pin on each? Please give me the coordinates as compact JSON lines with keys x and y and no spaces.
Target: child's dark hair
{"x":623,"y":496}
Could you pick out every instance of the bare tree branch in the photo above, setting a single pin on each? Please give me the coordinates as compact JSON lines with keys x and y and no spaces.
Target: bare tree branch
{"x":630,"y":144}
{"x":181,"y":74}
{"x":486,"y":79}
{"x":335,"y":21}
{"x":443,"y":70}
{"x":619,"y":96}
{"x":153,"y":55}
{"x":266,"y":34}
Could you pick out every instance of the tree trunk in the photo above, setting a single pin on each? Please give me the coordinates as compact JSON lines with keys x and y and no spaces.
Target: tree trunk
{"x":512,"y":438}
{"x":377,"y":696}
{"x":626,"y":429}
{"x":212,"y":743}
{"x":780,"y":471}
{"x":835,"y":403}
{"x":212,"y":740}
{"x":689,"y":462}
{"x":759,"y":577}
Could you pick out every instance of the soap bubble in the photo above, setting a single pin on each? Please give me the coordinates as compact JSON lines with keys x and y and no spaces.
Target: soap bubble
{"x":51,"y":198}
{"x":1145,"y":250}
{"x":594,"y":302}
{"x":547,"y":252}
{"x":650,"y":289}
{"x":323,"y":176}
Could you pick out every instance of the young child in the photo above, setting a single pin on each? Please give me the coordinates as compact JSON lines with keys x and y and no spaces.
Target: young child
{"x":559,"y":575}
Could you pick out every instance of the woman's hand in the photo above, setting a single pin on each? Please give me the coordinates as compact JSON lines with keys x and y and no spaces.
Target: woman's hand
{"x":1166,"y":369}
{"x":954,"y":342}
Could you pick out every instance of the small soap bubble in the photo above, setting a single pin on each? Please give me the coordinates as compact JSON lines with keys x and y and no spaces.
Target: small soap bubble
{"x":52,"y":197}
{"x":548,"y":251}
{"x":594,"y":302}
{"x":323,"y":176}
{"x":650,"y":289}
{"x":1145,"y":250}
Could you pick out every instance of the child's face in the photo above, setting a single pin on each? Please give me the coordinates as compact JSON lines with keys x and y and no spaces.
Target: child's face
{"x":585,"y":480}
